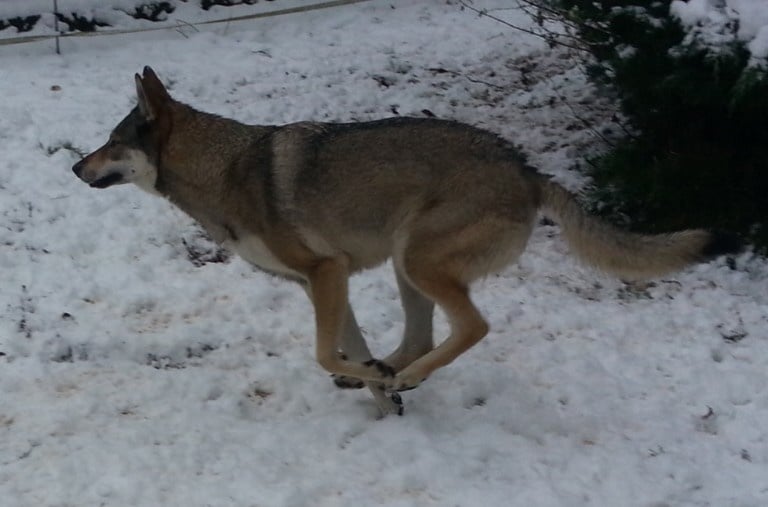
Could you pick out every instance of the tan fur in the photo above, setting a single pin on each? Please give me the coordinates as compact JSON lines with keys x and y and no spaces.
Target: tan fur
{"x":317,"y":202}
{"x":621,"y":253}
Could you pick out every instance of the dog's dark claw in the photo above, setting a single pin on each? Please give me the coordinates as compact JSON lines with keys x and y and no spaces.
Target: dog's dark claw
{"x":397,"y":400}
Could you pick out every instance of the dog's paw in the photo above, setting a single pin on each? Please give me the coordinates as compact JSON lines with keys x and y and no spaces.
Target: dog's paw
{"x":383,"y":369}
{"x":408,"y":387}
{"x":345,"y":382}
{"x":388,"y":402}
{"x":405,"y":381}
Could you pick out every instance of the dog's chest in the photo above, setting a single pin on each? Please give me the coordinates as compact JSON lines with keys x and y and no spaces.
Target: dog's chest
{"x":253,"y":250}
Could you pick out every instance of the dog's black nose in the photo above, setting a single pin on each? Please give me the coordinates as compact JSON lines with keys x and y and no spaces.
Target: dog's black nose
{"x":78,"y":168}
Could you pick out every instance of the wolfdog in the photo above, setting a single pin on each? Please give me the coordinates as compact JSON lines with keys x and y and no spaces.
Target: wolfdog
{"x":317,"y":202}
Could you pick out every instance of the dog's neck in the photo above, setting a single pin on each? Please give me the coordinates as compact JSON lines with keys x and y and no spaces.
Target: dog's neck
{"x":201,"y":170}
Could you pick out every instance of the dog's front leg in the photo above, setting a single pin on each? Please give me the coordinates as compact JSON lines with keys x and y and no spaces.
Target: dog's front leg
{"x":328,"y":286}
{"x":351,"y":346}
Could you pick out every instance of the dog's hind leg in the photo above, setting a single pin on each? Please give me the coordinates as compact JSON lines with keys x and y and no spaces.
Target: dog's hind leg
{"x":467,"y":328}
{"x":417,"y":335}
{"x":440,"y":261}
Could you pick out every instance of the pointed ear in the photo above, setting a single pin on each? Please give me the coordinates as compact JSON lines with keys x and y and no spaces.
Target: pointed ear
{"x":144,"y":107}
{"x":153,"y":97}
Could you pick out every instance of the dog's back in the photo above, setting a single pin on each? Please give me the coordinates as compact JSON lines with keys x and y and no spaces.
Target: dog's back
{"x":361,"y":185}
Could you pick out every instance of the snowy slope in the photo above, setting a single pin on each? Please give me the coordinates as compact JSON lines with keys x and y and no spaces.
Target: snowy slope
{"x":132,"y":376}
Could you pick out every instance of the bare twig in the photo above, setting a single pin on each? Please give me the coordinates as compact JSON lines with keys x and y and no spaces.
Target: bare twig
{"x":584,"y":121}
{"x":615,"y":119}
{"x":545,"y":12}
{"x":181,"y":24}
{"x":550,"y":39}
{"x":550,"y":14}
{"x":561,"y":16}
{"x":455,"y":73}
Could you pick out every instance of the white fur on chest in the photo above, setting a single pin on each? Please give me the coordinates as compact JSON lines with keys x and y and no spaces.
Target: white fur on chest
{"x":252,"y":249}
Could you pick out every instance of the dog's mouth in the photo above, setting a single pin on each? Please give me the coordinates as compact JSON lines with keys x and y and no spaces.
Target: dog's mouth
{"x":107,"y":181}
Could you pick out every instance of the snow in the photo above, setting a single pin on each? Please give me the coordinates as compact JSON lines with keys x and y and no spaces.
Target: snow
{"x":115,"y":13}
{"x":716,"y":23}
{"x":130,"y":375}
{"x":10,"y":9}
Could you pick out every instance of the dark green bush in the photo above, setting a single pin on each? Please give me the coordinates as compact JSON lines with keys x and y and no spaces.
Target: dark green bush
{"x":20,"y":23}
{"x":696,"y":149}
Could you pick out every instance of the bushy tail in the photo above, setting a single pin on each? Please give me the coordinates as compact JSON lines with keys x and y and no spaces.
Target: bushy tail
{"x":625,"y":254}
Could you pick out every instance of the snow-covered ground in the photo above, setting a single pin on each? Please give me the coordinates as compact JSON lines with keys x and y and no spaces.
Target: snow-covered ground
{"x":131,"y":375}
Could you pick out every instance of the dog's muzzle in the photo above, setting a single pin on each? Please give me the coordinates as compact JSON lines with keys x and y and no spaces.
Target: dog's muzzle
{"x":103,"y":182}
{"x":107,"y":181}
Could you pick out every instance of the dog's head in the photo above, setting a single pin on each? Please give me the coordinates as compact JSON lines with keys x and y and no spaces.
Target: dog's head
{"x":131,"y":153}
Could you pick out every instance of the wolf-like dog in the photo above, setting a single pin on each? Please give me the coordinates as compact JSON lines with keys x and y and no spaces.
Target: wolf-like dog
{"x":317,"y":202}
